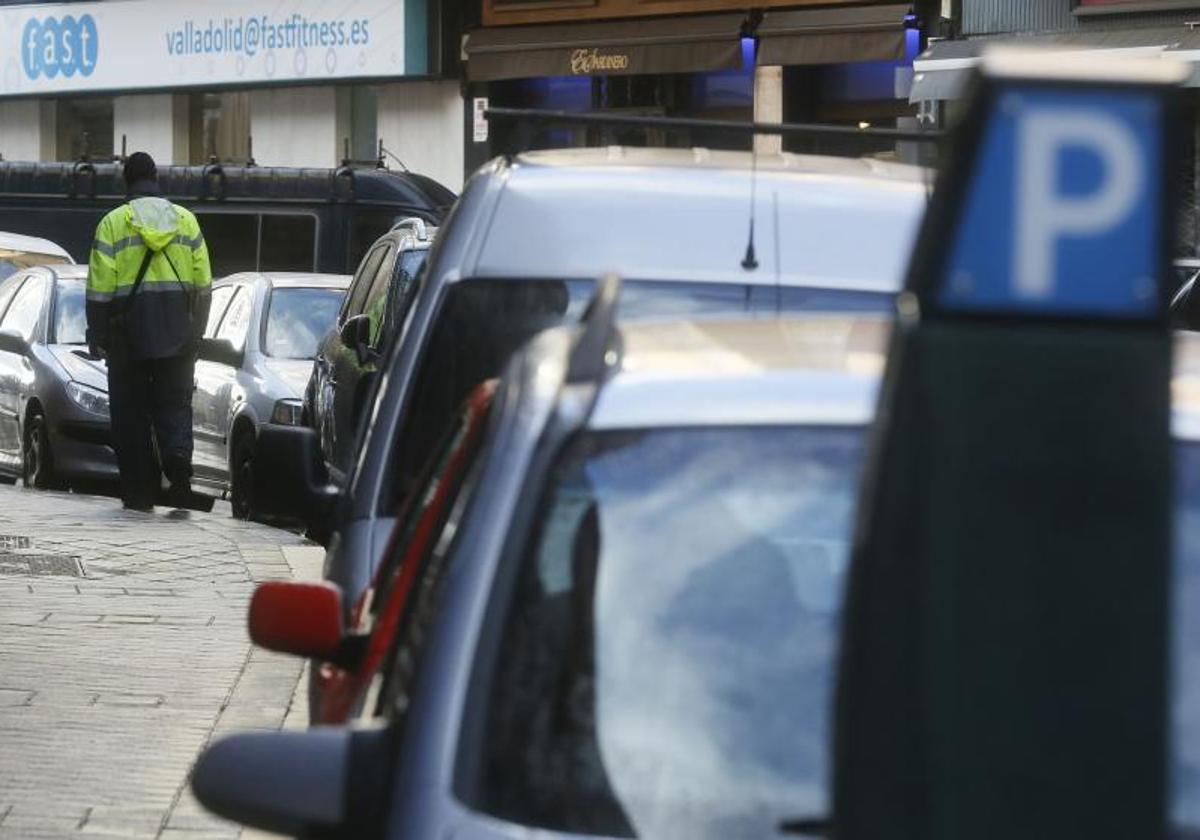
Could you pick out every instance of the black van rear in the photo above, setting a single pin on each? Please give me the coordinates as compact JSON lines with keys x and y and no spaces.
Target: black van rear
{"x":254,"y":217}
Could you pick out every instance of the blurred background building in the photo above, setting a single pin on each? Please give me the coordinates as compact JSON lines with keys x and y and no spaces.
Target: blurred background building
{"x":1100,"y":28}
{"x":847,"y":62}
{"x":287,"y":82}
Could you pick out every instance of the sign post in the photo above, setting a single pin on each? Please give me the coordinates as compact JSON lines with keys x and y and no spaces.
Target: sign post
{"x":1004,"y":662}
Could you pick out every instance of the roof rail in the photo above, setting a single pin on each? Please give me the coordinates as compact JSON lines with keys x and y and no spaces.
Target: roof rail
{"x":590,"y":358}
{"x":547,"y":117}
{"x":416,"y":224}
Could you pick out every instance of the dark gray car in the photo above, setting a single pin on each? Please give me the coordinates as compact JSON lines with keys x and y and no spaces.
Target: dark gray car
{"x":54,"y":424}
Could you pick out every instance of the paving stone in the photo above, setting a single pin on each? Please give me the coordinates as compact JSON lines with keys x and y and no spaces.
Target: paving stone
{"x":112,"y":683}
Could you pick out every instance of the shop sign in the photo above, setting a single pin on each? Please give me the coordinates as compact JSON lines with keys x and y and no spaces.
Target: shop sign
{"x":588,"y":62}
{"x":150,"y":44}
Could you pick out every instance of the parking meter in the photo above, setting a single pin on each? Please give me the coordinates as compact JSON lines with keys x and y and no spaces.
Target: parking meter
{"x":1003,"y":670}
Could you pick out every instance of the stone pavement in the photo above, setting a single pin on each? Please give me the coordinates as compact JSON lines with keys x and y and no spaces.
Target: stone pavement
{"x":123,"y":651}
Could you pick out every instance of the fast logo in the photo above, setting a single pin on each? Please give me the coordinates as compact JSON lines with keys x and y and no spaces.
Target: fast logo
{"x":52,"y":47}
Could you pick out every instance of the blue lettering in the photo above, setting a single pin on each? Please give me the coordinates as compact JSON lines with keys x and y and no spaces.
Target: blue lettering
{"x":30,"y":55}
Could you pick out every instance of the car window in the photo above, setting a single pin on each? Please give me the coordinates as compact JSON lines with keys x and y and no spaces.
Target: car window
{"x":236,"y":322}
{"x":70,"y":312}
{"x":26,"y":309}
{"x":409,"y":270}
{"x":8,"y":288}
{"x":480,"y":325}
{"x":364,"y":279}
{"x":375,"y":305}
{"x":221,"y":296}
{"x":298,"y":319}
{"x":232,"y":241}
{"x":670,"y":633}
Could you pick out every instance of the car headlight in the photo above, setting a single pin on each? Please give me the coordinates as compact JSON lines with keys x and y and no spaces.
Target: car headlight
{"x":91,"y":400}
{"x":288,"y":413}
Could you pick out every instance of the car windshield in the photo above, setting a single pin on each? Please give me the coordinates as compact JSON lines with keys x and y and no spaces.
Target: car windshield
{"x":676,"y":615}
{"x":13,"y":261}
{"x":298,"y":320}
{"x":70,"y":314}
{"x":673,"y":621}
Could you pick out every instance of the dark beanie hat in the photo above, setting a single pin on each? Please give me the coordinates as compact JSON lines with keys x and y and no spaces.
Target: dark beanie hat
{"x":140,"y":167}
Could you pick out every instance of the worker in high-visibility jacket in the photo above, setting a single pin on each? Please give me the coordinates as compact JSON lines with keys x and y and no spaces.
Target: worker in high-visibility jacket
{"x":148,"y":295}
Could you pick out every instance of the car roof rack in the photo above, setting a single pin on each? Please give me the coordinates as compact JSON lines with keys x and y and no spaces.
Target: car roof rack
{"x":539,"y":116}
{"x":590,"y":356}
{"x":416,"y":224}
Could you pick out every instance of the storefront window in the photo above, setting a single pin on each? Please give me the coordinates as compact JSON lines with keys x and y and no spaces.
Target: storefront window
{"x":220,"y":127}
{"x":85,"y":126}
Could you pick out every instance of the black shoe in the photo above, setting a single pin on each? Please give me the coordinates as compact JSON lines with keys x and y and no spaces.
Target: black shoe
{"x":180,"y":494}
{"x":140,"y":507}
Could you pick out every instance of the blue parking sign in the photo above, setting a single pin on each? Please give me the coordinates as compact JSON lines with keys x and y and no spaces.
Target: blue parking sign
{"x":1062,"y":215}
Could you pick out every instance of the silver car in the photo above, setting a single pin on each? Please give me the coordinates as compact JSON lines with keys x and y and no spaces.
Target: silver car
{"x":54,"y":426}
{"x":255,"y":362}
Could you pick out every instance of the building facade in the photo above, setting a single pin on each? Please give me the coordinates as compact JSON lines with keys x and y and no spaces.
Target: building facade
{"x":832,"y":61}
{"x":1100,"y":28}
{"x":306,"y":83}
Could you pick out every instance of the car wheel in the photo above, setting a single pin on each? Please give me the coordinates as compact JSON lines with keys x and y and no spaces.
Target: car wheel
{"x":241,"y":495}
{"x":38,"y":464}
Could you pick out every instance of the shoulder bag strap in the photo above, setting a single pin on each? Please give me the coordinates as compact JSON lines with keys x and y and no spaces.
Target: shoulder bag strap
{"x":141,"y":276}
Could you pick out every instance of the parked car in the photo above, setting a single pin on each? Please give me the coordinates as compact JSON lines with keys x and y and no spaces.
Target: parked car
{"x":19,"y":252}
{"x":592,"y":641}
{"x":576,"y":586}
{"x":348,"y":359}
{"x":54,"y":424}
{"x":255,"y":361}
{"x":257,"y":218}
{"x":520,"y":252}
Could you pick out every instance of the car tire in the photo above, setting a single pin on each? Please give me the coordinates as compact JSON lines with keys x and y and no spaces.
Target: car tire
{"x":37,"y":469}
{"x":241,"y":491}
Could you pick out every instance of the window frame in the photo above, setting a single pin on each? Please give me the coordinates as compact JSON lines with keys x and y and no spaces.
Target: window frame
{"x":201,"y":212}
{"x":242,"y":289}
{"x":231,"y":288}
{"x":34,"y":331}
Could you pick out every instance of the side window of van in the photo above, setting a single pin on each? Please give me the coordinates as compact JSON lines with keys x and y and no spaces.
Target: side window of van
{"x":289,"y":242}
{"x":259,"y":241}
{"x":232,"y":241}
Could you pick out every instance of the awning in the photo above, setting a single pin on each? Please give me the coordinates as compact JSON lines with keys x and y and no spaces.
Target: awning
{"x":942,"y":71}
{"x":833,"y":36}
{"x":613,"y":48}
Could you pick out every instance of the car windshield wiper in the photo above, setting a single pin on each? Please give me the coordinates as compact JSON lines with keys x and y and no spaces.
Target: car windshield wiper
{"x":807,"y":827}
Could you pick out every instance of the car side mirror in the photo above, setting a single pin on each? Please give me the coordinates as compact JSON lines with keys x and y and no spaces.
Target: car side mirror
{"x":324,"y":781}
{"x":300,"y":618}
{"x":290,"y":479}
{"x":356,"y":335}
{"x":220,"y":351}
{"x":13,"y":342}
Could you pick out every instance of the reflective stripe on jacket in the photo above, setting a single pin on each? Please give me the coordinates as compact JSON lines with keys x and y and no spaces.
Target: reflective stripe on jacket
{"x":170,"y":310}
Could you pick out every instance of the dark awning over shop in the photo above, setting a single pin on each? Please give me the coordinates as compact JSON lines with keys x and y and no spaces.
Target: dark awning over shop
{"x":614,"y":48}
{"x":943,"y":70}
{"x":833,"y":36}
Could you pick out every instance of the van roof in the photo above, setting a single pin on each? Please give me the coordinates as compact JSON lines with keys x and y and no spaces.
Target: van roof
{"x":684,"y":214}
{"x":236,"y":183}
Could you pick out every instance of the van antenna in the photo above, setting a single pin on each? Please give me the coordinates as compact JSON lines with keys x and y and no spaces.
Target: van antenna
{"x":750,"y":261}
{"x":778,"y":259}
{"x":124,"y":147}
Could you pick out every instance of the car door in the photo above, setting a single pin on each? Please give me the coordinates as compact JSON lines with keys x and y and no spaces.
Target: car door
{"x":228,"y":319}
{"x":417,"y":544}
{"x":10,"y":392}
{"x":342,"y":363}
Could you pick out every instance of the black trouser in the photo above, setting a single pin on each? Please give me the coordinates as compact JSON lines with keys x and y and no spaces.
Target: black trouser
{"x":150,"y":401}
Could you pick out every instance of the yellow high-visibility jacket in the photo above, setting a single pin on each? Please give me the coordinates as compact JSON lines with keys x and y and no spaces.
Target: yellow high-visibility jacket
{"x":168,"y":314}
